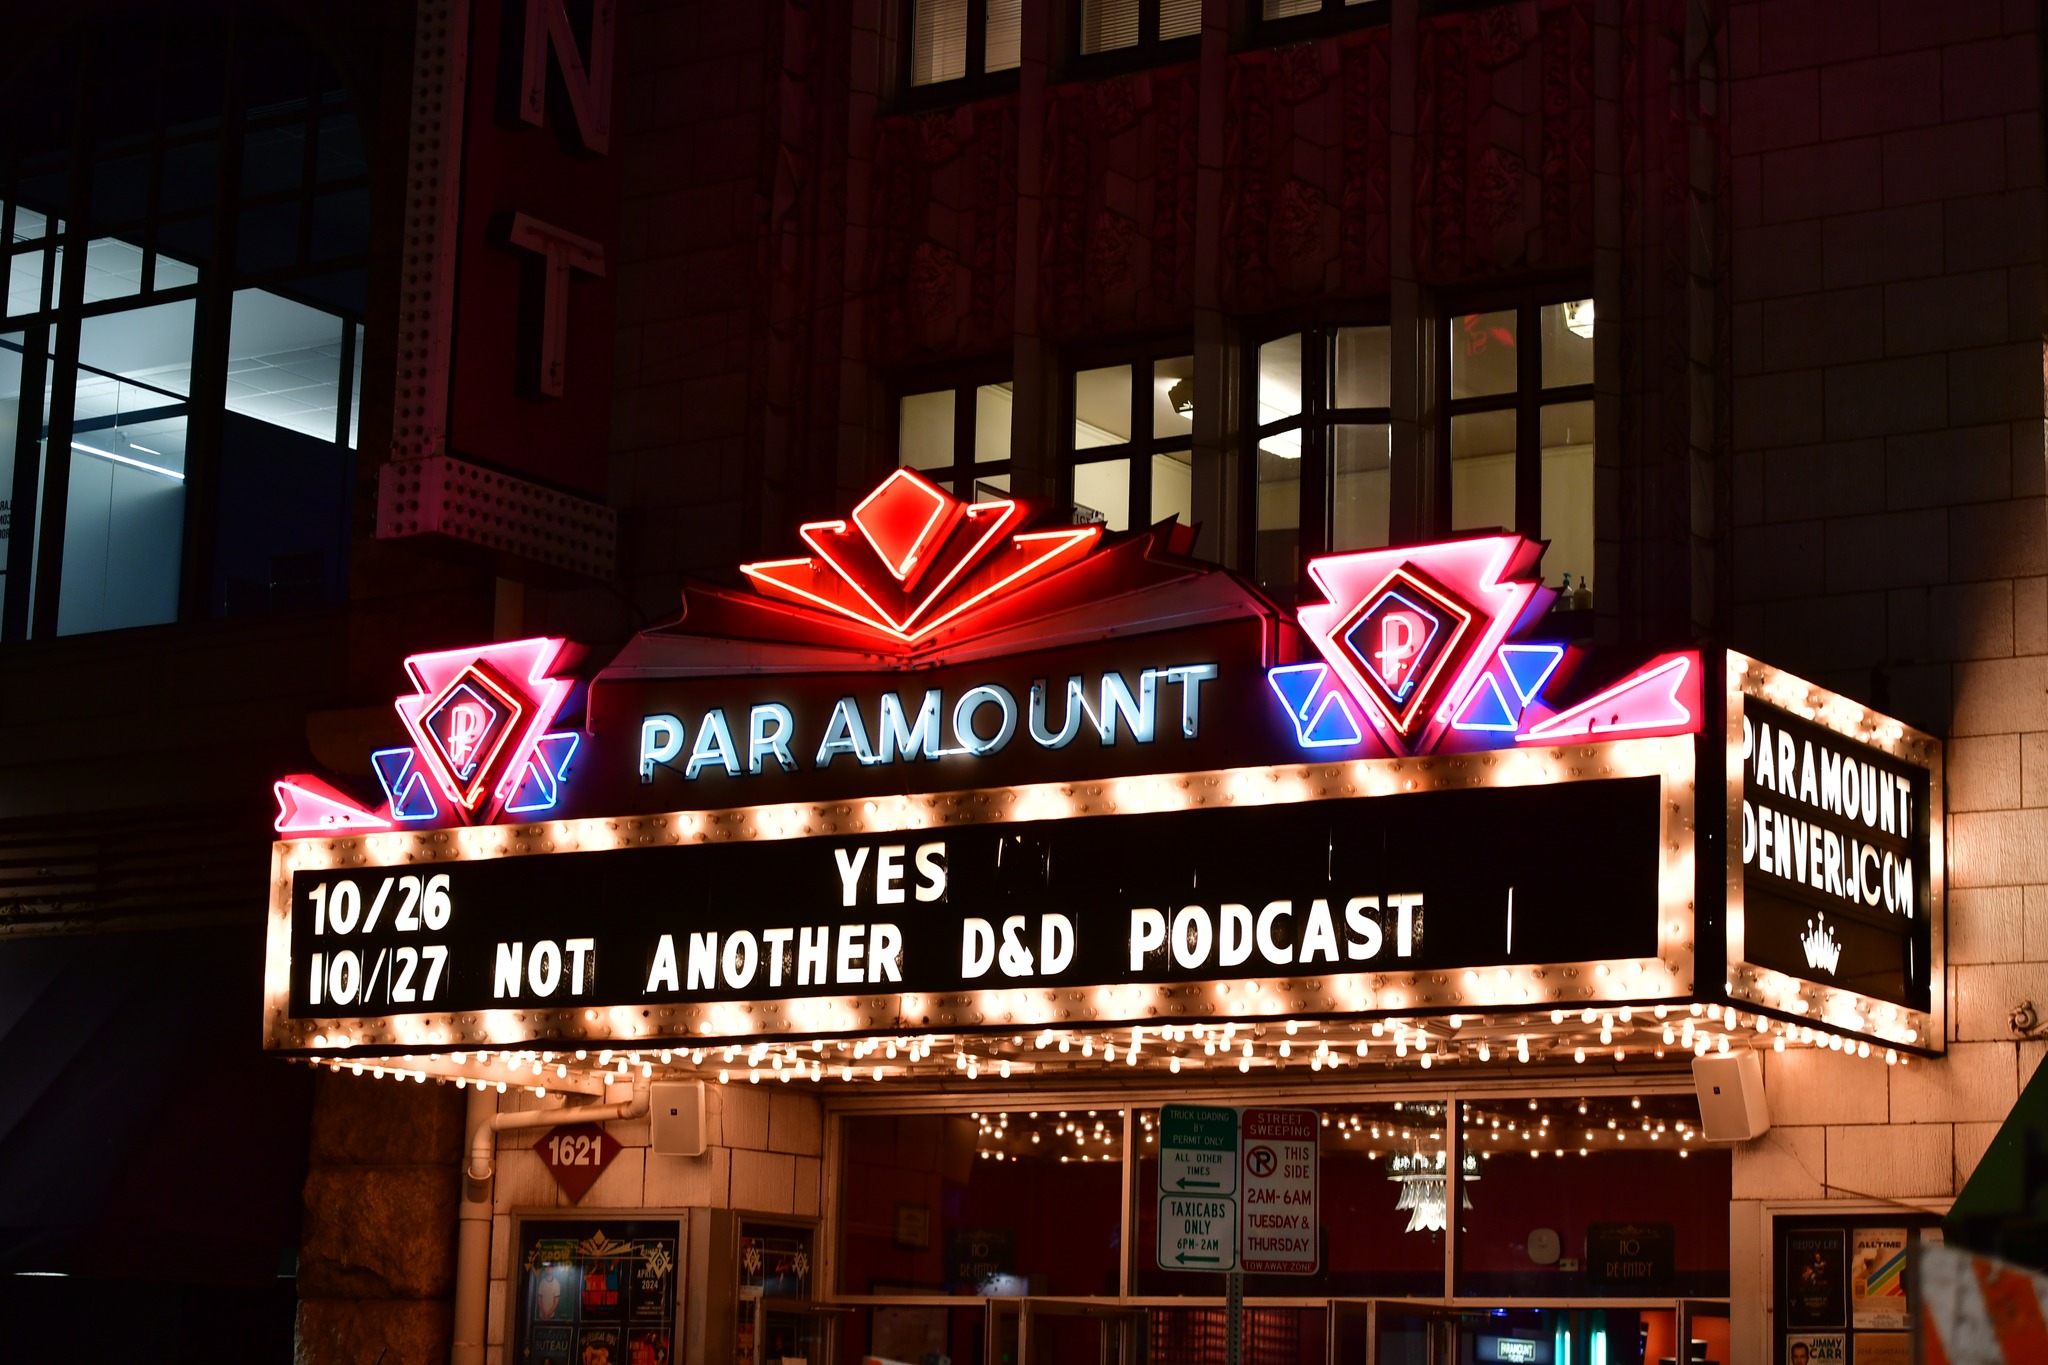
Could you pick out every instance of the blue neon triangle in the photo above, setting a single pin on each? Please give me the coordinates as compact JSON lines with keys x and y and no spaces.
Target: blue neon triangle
{"x":417,"y":802}
{"x":1485,"y":708}
{"x":1296,"y":685}
{"x":540,"y":784}
{"x":1529,"y":667}
{"x":391,"y":766}
{"x":556,"y":750}
{"x":1333,"y":724}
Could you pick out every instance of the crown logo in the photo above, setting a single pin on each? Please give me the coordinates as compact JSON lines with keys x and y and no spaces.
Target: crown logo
{"x":1822,"y":952}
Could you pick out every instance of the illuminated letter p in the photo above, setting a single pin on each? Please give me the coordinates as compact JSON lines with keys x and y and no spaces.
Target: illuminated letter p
{"x":661,"y":739}
{"x":1397,"y":646}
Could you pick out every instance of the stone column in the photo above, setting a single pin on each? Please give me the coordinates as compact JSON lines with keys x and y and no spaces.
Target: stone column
{"x":377,"y":1257}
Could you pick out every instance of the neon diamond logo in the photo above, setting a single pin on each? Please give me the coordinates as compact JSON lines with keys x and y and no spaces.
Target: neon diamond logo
{"x":468,"y":724}
{"x":1399,"y":638}
{"x":476,"y":720}
{"x":1407,"y":632}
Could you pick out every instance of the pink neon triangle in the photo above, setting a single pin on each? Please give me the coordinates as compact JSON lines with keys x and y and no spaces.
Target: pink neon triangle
{"x":1663,"y":695}
{"x":306,"y":805}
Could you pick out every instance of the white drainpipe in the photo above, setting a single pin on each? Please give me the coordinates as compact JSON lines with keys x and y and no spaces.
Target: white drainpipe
{"x":473,"y":1227}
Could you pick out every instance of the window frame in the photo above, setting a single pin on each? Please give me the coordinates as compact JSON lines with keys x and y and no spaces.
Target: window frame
{"x":1318,"y":416}
{"x":1149,"y":51}
{"x":965,"y":382}
{"x":1144,"y":443}
{"x":31,"y":598}
{"x":1331,"y":16}
{"x":975,"y":82}
{"x":1526,"y":400}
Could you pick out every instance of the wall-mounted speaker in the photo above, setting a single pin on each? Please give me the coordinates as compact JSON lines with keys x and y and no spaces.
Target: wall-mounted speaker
{"x":1731,"y":1095}
{"x":675,"y":1113}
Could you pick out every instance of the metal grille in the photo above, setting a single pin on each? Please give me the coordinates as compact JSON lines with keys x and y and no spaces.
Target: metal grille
{"x":93,"y":873}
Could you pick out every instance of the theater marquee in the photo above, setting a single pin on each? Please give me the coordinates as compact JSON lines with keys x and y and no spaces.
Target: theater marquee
{"x":949,"y":773}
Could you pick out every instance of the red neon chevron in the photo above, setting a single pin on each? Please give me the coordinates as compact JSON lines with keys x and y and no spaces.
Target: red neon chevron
{"x":914,"y":559}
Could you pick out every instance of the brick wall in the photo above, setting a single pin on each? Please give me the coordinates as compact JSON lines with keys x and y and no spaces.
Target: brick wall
{"x":1890,"y":536}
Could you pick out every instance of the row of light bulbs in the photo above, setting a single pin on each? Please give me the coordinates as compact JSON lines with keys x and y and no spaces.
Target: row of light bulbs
{"x":1658,"y":1029}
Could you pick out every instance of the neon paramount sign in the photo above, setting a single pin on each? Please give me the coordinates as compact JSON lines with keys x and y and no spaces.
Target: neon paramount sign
{"x":982,"y":720}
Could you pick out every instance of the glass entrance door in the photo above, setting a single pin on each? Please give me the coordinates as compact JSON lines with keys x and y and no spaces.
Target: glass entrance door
{"x":1069,"y":1332}
{"x":1430,"y":1334}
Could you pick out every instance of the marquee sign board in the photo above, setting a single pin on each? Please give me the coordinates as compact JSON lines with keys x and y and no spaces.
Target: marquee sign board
{"x":1362,"y":884}
{"x":1300,"y":891}
{"x":1836,"y":898}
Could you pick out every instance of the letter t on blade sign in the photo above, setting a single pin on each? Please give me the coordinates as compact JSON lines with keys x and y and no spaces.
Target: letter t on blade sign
{"x":1198,"y":1165}
{"x":560,"y":251}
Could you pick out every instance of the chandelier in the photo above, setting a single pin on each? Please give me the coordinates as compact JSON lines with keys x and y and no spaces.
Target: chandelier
{"x":1424,"y":1188}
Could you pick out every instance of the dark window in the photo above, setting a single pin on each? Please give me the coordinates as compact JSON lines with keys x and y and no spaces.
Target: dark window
{"x":180,"y":351}
{"x":1321,"y":468}
{"x":1128,"y":441}
{"x":958,"y":437}
{"x":954,"y":41}
{"x":1519,"y":426}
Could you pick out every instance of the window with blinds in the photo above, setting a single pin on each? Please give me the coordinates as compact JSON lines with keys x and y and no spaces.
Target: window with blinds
{"x":1121,"y":25}
{"x":958,"y":40}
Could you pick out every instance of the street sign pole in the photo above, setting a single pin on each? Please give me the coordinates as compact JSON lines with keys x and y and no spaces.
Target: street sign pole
{"x":1233,"y":1320}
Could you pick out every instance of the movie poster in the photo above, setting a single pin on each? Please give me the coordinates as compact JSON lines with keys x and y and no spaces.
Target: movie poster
{"x":1814,"y":1284}
{"x":647,"y":1346}
{"x":1831,"y":1348}
{"x":599,"y":1346}
{"x":551,"y":1344}
{"x":653,"y":1288}
{"x":1884,"y":1348}
{"x":555,"y":1288}
{"x":602,"y":1286}
{"x":596,"y":1293}
{"x":1877,"y":1279}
